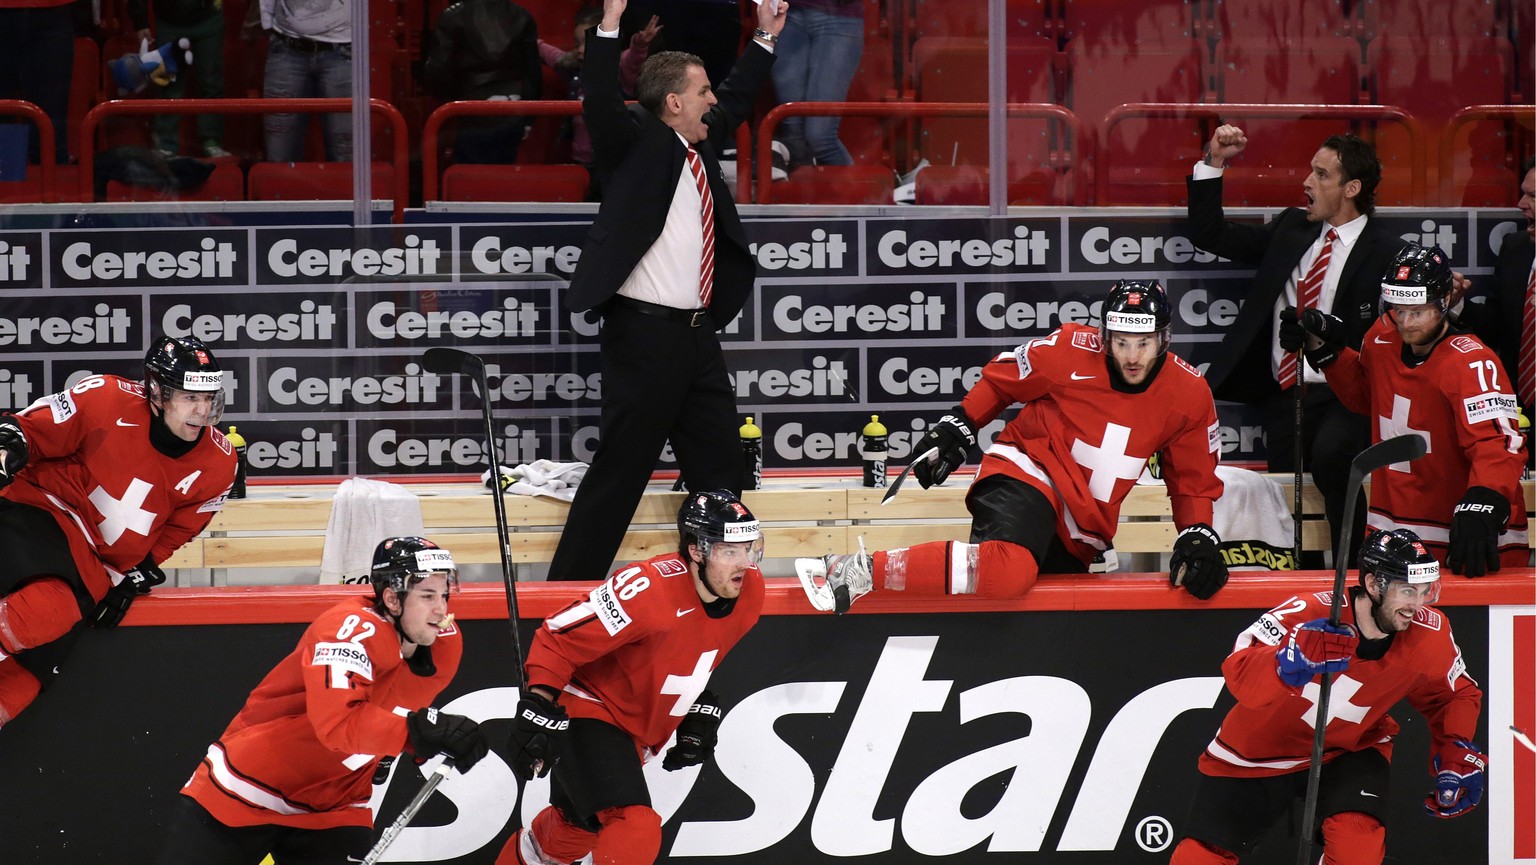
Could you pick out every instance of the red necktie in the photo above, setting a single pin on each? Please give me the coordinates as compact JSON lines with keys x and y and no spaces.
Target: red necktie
{"x":707,"y":218}
{"x":1527,"y":371}
{"x":1309,"y":293}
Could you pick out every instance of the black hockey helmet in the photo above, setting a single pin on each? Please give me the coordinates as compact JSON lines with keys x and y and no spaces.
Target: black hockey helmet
{"x":1137,"y":306}
{"x":1398,"y":556}
{"x":1417,"y":275}
{"x":717,"y":516}
{"x":184,"y":364}
{"x":402,"y":562}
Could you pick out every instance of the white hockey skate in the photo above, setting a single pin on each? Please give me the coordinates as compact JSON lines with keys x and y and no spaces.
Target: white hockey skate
{"x":835,"y":582}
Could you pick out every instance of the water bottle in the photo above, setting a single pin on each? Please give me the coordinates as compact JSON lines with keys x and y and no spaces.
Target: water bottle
{"x":874,"y":452}
{"x":752,"y":455}
{"x":237,"y":491}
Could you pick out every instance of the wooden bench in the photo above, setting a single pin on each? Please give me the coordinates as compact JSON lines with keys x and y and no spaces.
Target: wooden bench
{"x":284,"y":526}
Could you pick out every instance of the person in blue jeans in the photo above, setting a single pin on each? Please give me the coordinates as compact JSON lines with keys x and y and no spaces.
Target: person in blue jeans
{"x":309,"y":55}
{"x":818,"y":53}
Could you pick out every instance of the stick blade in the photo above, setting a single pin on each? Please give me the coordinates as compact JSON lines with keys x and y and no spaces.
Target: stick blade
{"x":447,"y":361}
{"x":1398,"y":449}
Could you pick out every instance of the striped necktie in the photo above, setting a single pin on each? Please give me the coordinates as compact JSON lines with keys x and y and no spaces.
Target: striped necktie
{"x":707,"y":218}
{"x":1309,"y":294}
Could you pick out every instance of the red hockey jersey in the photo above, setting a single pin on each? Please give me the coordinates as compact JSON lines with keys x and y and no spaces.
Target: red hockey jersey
{"x":1270,"y":730}
{"x":303,"y":750}
{"x":1084,"y":444}
{"x":1461,"y":400}
{"x":116,"y":498}
{"x":639,"y":649}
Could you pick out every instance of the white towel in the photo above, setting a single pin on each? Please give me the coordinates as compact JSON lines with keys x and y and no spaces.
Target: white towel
{"x":363,"y":513}
{"x":543,"y":478}
{"x":1252,"y":510}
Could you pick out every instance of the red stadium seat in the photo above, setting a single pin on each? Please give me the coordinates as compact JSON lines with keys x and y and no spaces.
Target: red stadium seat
{"x":1130,"y":24}
{"x":1321,"y":69}
{"x":1425,"y":18}
{"x":969,"y":18}
{"x":84,"y":90}
{"x":226,"y":183}
{"x":968,"y":185}
{"x":515,"y":183}
{"x":1432,"y":79}
{"x":310,"y":181}
{"x":1146,"y":159}
{"x":834,"y":184}
{"x":955,"y":70}
{"x":1268,"y":21}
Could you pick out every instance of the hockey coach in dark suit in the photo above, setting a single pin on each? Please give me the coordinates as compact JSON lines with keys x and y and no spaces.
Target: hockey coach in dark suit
{"x":667,"y":264}
{"x":1338,"y":235}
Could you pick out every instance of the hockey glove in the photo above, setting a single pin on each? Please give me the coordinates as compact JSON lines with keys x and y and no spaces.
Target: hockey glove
{"x":1292,"y":335}
{"x":432,"y":732}
{"x":1196,"y":563}
{"x":696,"y":734}
{"x":13,"y":451}
{"x":537,"y":732}
{"x":1475,"y":526}
{"x":954,"y":436}
{"x":136,"y":581}
{"x":1316,"y":647}
{"x":1459,"y":772}
{"x":1329,"y":331}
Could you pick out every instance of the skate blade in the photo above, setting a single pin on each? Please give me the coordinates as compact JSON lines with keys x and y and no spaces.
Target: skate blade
{"x":814,"y":583}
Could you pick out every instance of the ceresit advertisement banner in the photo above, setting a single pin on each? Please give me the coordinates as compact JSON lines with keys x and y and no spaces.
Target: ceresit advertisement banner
{"x":1031,"y":737}
{"x":322,"y":327}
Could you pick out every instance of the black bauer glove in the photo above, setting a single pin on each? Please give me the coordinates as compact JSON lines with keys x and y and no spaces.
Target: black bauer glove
{"x":1197,"y":564}
{"x":13,"y":451}
{"x":537,"y":732}
{"x":433,"y":732}
{"x":1329,"y":329}
{"x":954,"y":435}
{"x":1292,"y":335}
{"x":696,"y":735}
{"x":1475,"y":526}
{"x":137,"y":581}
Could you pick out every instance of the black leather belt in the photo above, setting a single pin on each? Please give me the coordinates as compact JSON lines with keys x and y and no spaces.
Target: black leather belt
{"x":307,"y":46}
{"x":690,"y":317}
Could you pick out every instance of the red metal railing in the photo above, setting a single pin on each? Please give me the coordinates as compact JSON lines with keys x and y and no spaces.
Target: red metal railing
{"x":118,"y":107}
{"x":1253,"y":110}
{"x":1038,"y":110}
{"x":431,"y":180}
{"x":1525,"y":114}
{"x":47,"y":166}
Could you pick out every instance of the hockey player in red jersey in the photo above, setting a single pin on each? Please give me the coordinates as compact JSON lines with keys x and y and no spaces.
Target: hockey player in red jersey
{"x":98,"y":485}
{"x":293,"y":772}
{"x":613,"y":675}
{"x":1390,"y":645}
{"x":1096,"y":404}
{"x":1418,"y":373}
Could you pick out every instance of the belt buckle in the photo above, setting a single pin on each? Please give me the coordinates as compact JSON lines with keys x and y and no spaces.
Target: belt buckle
{"x":696,"y":318}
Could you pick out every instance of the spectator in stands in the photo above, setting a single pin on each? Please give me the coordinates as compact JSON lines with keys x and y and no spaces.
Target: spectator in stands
{"x":201,"y":22}
{"x":819,"y":53}
{"x":485,"y":49}
{"x":707,"y":29}
{"x":309,"y":55}
{"x":1418,"y":371}
{"x":1506,"y":311}
{"x":567,"y":64}
{"x":37,"y":40}
{"x":1337,"y":251}
{"x":667,"y":264}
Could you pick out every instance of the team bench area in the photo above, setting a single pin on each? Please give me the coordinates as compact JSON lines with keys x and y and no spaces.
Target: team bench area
{"x":285,"y":526}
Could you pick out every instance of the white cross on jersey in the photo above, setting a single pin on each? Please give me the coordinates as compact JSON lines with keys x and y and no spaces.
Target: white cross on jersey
{"x":1108,"y":462}
{"x":1339,"y":705}
{"x":1397,"y":425}
{"x":687,"y":688}
{"x":120,"y":515}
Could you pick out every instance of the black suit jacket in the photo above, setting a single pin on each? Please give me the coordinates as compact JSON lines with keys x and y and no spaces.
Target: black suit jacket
{"x":638,"y":159}
{"x":1497,"y":320}
{"x":1241,"y":370}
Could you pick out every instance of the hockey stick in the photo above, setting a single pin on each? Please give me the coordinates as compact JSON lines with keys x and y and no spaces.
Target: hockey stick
{"x":901,"y":478}
{"x":1398,"y":449}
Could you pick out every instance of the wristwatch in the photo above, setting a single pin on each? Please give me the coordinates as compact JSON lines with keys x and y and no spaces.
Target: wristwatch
{"x":764,"y":35}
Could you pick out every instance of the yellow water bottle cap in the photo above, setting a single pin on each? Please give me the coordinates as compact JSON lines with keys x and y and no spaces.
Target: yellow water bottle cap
{"x":874,"y":427}
{"x":750,"y":430}
{"x":235,"y":438}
